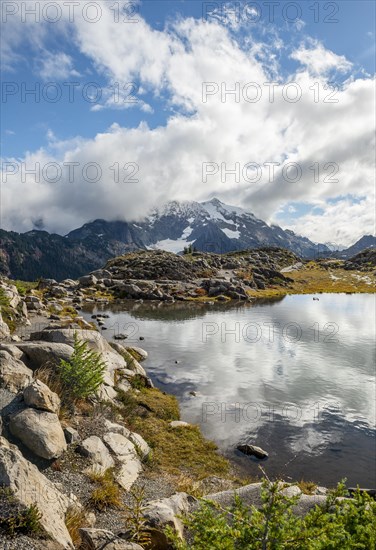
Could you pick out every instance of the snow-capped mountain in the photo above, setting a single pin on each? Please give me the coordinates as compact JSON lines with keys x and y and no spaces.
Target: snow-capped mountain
{"x":214,"y":226}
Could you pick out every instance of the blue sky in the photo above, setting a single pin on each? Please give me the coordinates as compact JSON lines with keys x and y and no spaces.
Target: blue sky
{"x":163,"y":59}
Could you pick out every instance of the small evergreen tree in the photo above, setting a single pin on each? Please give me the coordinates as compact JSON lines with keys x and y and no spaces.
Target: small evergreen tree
{"x":83,"y":373}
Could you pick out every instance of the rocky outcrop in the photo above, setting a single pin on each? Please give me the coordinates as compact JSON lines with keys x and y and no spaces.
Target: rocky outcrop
{"x":29,"y":486}
{"x":14,"y":375}
{"x":39,"y":353}
{"x":39,"y":431}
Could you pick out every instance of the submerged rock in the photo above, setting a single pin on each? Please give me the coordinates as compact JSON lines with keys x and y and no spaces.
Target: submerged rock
{"x":252,"y":450}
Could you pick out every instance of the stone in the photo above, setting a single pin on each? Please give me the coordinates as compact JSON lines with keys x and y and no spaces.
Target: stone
{"x":39,"y":353}
{"x":88,"y":280}
{"x":165,"y":512}
{"x":126,"y":453}
{"x":14,"y":374}
{"x":179,"y":424}
{"x":4,"y":329}
{"x":139,"y":351}
{"x":101,"y":539}
{"x":141,"y":446}
{"x":252,"y":450}
{"x":40,"y":396}
{"x":29,"y":486}
{"x":94,"y":448}
{"x":71,"y":435}
{"x":40,"y":432}
{"x":116,"y":428}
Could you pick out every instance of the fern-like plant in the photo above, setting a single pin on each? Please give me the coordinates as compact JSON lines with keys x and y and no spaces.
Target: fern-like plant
{"x":82,"y":375}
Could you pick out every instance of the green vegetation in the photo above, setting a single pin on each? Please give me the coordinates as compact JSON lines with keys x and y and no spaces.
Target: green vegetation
{"x":6,"y":311}
{"x":16,"y":519}
{"x":24,"y":287}
{"x":341,"y":524}
{"x":82,"y":375}
{"x":107,"y":493}
{"x":135,"y":522}
{"x":176,"y":451}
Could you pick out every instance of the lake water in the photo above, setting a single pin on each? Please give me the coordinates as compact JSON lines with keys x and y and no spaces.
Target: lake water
{"x":294,"y":376}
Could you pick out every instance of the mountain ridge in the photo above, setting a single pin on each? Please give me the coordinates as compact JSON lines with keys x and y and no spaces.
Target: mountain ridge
{"x":209,"y":226}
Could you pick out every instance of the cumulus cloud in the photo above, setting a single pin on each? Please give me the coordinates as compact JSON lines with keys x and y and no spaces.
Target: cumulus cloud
{"x":329,"y":134}
{"x":319,"y":61}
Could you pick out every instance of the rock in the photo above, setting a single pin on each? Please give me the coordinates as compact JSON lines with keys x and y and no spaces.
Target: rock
{"x":141,"y":446}
{"x":46,"y":283}
{"x":252,"y":450}
{"x":116,"y":428}
{"x":39,"y":353}
{"x":12,"y":349}
{"x":14,"y":374}
{"x":29,"y":486}
{"x":40,"y":432}
{"x":94,"y":448}
{"x":120,"y":336}
{"x":87,"y":280}
{"x":71,"y":435}
{"x":107,"y":394}
{"x":291,"y":491}
{"x":141,"y":353}
{"x":100,"y":539}
{"x":40,"y":396}
{"x":4,"y":329}
{"x":179,"y":424}
{"x":126,"y":453}
{"x":162,"y":513}
{"x":33,"y":303}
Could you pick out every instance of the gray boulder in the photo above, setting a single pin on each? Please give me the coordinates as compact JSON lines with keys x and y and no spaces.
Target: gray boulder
{"x":40,"y":396}
{"x":40,"y":432}
{"x":39,"y":353}
{"x":100,"y":539}
{"x":94,"y":448}
{"x":14,"y":374}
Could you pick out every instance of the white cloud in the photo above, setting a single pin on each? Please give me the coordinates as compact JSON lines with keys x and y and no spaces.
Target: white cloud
{"x":176,"y":63}
{"x":56,"y":66}
{"x":319,"y":61}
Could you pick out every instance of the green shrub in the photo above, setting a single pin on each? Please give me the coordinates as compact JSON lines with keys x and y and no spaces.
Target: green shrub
{"x":16,"y":519}
{"x":341,"y":524}
{"x":82,"y":375}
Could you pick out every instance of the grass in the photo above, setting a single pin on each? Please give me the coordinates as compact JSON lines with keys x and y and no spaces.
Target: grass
{"x":7,"y":312}
{"x":314,"y":279}
{"x":176,"y":451}
{"x":16,"y":519}
{"x":107,"y":493}
{"x":75,"y":518}
{"x":24,"y":287}
{"x":307,"y":487}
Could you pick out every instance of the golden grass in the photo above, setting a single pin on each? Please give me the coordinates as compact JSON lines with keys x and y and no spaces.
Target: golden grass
{"x":314,"y":279}
{"x":176,"y":451}
{"x":107,"y":494}
{"x":307,"y":487}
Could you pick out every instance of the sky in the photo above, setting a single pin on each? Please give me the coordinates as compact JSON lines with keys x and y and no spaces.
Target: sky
{"x":111,"y":108}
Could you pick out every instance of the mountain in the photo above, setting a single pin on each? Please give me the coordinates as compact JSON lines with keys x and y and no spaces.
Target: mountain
{"x":214,"y":226}
{"x":210,"y":226}
{"x":367,"y":241}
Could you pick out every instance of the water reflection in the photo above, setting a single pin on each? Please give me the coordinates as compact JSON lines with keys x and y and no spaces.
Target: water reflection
{"x":295,"y":376}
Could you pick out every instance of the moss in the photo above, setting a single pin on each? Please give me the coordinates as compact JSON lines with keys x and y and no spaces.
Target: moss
{"x":176,"y":451}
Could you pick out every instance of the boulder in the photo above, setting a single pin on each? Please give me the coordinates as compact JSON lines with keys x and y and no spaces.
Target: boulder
{"x":39,"y":353}
{"x":39,"y":431}
{"x":40,"y":396}
{"x":88,"y":280}
{"x":14,"y":374}
{"x":126,"y":453}
{"x":94,"y":448}
{"x":116,"y":428}
{"x":165,"y":512}
{"x":4,"y":329}
{"x":12,"y":349}
{"x":29,"y":486}
{"x":252,"y":450}
{"x":98,"y":539}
